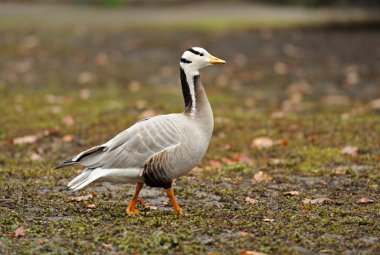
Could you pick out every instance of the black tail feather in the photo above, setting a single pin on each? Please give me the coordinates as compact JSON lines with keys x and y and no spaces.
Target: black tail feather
{"x":66,"y":163}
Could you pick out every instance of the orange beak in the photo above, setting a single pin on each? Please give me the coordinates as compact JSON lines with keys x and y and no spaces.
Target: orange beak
{"x":215,"y":60}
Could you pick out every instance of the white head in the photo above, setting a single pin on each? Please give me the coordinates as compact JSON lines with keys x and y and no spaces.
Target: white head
{"x":192,"y":60}
{"x":196,"y":58}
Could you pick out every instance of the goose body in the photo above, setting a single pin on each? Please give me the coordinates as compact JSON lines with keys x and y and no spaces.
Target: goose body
{"x":156,"y":150}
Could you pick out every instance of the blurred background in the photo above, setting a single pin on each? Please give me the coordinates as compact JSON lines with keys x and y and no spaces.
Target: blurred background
{"x":77,"y":64}
{"x":114,"y":52}
{"x":299,"y":99}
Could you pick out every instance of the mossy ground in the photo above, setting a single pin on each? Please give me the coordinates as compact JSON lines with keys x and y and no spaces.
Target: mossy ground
{"x":310,"y":88}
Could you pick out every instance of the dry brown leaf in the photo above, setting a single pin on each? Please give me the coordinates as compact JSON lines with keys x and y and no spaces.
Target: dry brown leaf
{"x":365,"y":201}
{"x":317,"y":201}
{"x":350,"y":150}
{"x":251,"y":200}
{"x":68,"y":120}
{"x":90,"y":206}
{"x":84,"y":94}
{"x":197,"y":171}
{"x":215,"y":163}
{"x":134,"y":86}
{"x":243,"y":233}
{"x":227,"y":147}
{"x":147,"y":114}
{"x":268,"y":219}
{"x":25,"y":139}
{"x":83,"y":198}
{"x":35,"y":157}
{"x":245,"y":252}
{"x":375,"y":104}
{"x":280,"y":68}
{"x":150,"y":207}
{"x":101,"y":59}
{"x":262,"y":142}
{"x":19,"y":232}
{"x":340,"y":170}
{"x":262,"y":177}
{"x":283,"y":142}
{"x":68,"y":138}
{"x":327,"y":251}
{"x":246,"y":160}
{"x":33,"y":138}
{"x":313,"y":138}
{"x":291,"y":193}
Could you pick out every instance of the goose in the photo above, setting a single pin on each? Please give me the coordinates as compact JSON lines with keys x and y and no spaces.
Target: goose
{"x":156,"y":150}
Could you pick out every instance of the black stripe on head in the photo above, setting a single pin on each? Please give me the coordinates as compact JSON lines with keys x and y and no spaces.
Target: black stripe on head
{"x":184,"y":60}
{"x":195,"y":52}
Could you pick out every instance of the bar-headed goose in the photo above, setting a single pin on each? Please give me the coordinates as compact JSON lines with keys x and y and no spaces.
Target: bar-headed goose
{"x":156,"y":150}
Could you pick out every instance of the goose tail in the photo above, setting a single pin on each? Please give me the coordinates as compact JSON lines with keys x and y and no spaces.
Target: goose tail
{"x":85,"y":178}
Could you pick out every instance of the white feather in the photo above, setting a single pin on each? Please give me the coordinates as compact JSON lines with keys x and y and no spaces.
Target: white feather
{"x":115,"y":175}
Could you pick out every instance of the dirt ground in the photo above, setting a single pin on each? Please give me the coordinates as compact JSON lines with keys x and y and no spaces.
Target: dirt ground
{"x":293,"y":166}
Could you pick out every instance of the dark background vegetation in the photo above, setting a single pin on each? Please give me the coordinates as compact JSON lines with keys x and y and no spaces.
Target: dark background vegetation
{"x":310,"y":3}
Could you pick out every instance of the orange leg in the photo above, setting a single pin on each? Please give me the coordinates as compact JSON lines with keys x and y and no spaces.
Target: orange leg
{"x":177,"y":209}
{"x":131,"y":209}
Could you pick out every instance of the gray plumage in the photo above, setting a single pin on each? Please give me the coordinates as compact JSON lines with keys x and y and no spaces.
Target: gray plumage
{"x":155,"y":150}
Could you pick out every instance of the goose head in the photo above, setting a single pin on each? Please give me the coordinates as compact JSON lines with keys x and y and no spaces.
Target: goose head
{"x":196,"y":58}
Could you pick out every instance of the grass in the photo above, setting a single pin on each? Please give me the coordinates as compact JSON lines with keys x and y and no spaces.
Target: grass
{"x":219,"y":221}
{"x":256,"y":102}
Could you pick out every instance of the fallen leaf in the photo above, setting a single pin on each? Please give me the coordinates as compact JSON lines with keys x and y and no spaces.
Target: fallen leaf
{"x":215,"y":163}
{"x":101,"y":59}
{"x":68,"y":138}
{"x":277,"y":115}
{"x":327,"y":251}
{"x":227,"y":147}
{"x":41,"y":241}
{"x":243,"y":233}
{"x":365,"y":201}
{"x":68,"y":120}
{"x":340,"y":170}
{"x":91,"y":206}
{"x":245,"y":252}
{"x":147,"y":114}
{"x":18,"y":232}
{"x":241,"y":158}
{"x":280,"y":68}
{"x":197,"y":171}
{"x":291,"y":193}
{"x":150,"y":207}
{"x":262,"y":142}
{"x":35,"y":157}
{"x":262,"y":177}
{"x":375,"y":104}
{"x":134,"y":86}
{"x":25,"y":139}
{"x":83,"y":198}
{"x":84,"y":94}
{"x":251,"y":200}
{"x":33,"y":138}
{"x":268,"y":219}
{"x":283,"y":142}
{"x":350,"y":150}
{"x":313,"y":138}
{"x":317,"y":201}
